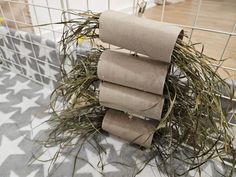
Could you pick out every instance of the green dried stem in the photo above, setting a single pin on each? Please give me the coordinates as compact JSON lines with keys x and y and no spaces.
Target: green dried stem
{"x":79,"y":112}
{"x":193,"y":128}
{"x":83,"y":27}
{"x":193,"y":119}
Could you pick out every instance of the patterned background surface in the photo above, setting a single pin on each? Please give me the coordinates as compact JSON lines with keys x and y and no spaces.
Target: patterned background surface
{"x":29,"y":55}
{"x":22,"y":106}
{"x":22,"y":111}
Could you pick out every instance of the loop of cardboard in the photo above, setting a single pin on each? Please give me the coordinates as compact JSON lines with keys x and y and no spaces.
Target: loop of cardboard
{"x":131,"y":100}
{"x":131,"y":71}
{"x":133,"y":129}
{"x":152,"y":38}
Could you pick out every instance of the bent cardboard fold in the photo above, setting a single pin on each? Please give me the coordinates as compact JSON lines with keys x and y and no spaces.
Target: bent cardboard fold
{"x":131,"y":71}
{"x":130,"y":100}
{"x":135,"y":130}
{"x":145,"y":36}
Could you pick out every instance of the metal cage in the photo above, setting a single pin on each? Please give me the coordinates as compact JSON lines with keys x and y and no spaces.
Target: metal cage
{"x":22,"y":47}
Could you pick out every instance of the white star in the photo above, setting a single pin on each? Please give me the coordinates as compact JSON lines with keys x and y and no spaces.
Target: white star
{"x":115,"y":141}
{"x":8,"y":54}
{"x":46,"y":92}
{"x":51,"y":84}
{"x":150,"y":170}
{"x":12,"y":174}
{"x":208,"y":169}
{"x":48,"y":154}
{"x":27,"y":103}
{"x":9,"y":148}
{"x":21,"y":47}
{"x":19,"y":86}
{"x":3,"y":97}
{"x":36,"y":126}
{"x":45,"y":52}
{"x":50,"y":72}
{"x":15,"y":69}
{"x":20,"y":34}
{"x":91,"y":167}
{"x":193,"y":172}
{"x":11,"y":75}
{"x":218,"y":164}
{"x":30,"y":71}
{"x":108,"y":167}
{"x":5,"y":118}
{"x":32,"y":174}
{"x":2,"y":79}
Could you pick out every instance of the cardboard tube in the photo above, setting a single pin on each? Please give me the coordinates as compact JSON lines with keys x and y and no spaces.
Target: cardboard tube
{"x":130,"y":100}
{"x":135,"y":130}
{"x":145,"y":36}
{"x":131,"y":71}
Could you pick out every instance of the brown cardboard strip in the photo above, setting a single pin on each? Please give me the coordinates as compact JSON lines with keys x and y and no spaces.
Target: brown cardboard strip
{"x":149,"y":37}
{"x":130,"y":100}
{"x":131,"y":71}
{"x":135,"y":130}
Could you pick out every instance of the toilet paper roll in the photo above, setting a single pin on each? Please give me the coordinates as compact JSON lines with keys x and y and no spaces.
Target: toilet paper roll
{"x":130,"y":100}
{"x":135,"y":130}
{"x":152,"y":38}
{"x":131,"y":71}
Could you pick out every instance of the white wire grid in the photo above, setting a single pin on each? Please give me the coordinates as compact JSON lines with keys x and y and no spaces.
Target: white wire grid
{"x":45,"y":11}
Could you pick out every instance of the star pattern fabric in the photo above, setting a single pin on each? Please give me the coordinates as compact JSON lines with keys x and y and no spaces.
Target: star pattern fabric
{"x":2,"y":80}
{"x":9,"y":54}
{"x":44,"y":92}
{"x":5,"y":118}
{"x":22,"y":48}
{"x":47,"y":164}
{"x":23,"y":53}
{"x":21,"y":124}
{"x":19,"y":86}
{"x":3,"y":97}
{"x":30,"y":71}
{"x":13,"y":174}
{"x":92,"y":168}
{"x":36,"y":125}
{"x":10,"y":75}
{"x":27,"y":103}
{"x":9,"y":148}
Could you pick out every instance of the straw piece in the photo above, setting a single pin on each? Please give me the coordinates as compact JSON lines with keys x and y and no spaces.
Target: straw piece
{"x":131,"y":71}
{"x":130,"y":100}
{"x":148,"y":37}
{"x":135,"y":130}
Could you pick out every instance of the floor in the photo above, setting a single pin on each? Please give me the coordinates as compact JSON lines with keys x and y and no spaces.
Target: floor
{"x":22,"y":127}
{"x":213,"y":14}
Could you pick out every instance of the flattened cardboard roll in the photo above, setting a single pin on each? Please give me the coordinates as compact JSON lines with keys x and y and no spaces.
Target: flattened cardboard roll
{"x":130,"y":100}
{"x":131,"y":71}
{"x":135,"y":130}
{"x":145,"y":36}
